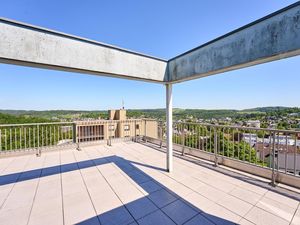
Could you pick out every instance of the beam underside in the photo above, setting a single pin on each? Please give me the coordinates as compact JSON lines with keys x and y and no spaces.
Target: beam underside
{"x":272,"y":38}
{"x":37,"y":47}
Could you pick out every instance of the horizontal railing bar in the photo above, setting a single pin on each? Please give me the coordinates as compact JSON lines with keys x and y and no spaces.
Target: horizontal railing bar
{"x":34,"y":124}
{"x":238,"y":127}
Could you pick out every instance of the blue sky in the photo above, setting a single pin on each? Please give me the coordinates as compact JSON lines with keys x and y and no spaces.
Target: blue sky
{"x":159,"y":28}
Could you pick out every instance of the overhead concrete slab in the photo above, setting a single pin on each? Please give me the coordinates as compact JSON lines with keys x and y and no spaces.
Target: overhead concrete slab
{"x":27,"y":45}
{"x":273,"y":37}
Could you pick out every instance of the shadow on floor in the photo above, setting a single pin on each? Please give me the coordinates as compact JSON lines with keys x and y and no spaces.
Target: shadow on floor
{"x":160,"y":207}
{"x":251,"y":180}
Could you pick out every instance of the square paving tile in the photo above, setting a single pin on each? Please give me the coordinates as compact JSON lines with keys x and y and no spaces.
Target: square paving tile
{"x":246,"y":195}
{"x":199,"y":220}
{"x":161,"y":198}
{"x":141,"y":207}
{"x":138,"y":177}
{"x":117,"y":216}
{"x":157,"y":218}
{"x":245,"y":222}
{"x":282,"y":199}
{"x":261,"y":217}
{"x":150,"y":186}
{"x":276,"y":208}
{"x":210,"y":192}
{"x":296,"y":219}
{"x":198,"y":202}
{"x":179,"y":211}
{"x":234,"y":204}
{"x":221,"y":215}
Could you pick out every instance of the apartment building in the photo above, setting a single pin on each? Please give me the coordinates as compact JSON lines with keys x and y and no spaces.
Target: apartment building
{"x":253,"y":123}
{"x":117,"y":126}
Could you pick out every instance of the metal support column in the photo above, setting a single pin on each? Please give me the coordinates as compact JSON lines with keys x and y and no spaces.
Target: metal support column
{"x":169,"y":127}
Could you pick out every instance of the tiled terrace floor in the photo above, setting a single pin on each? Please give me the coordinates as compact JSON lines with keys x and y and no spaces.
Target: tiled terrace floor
{"x":127,"y":184}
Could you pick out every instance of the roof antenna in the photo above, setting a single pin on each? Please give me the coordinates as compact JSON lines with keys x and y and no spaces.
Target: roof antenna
{"x":123,"y":104}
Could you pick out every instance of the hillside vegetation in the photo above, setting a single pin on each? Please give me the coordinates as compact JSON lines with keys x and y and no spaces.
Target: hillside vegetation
{"x":23,"y":116}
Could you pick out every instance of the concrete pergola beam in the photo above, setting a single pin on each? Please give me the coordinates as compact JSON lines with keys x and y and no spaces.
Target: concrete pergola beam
{"x":27,"y":45}
{"x":273,"y":37}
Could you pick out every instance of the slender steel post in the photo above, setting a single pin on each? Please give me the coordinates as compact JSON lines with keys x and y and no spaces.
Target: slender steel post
{"x":135,"y":138}
{"x":20,"y":131}
{"x":10,"y":139}
{"x":145,"y":131}
{"x":39,"y":152}
{"x":295,"y":156}
{"x":182,"y":142}
{"x":74,"y":133}
{"x":273,"y":183}
{"x":5,"y":135}
{"x":216,"y":146}
{"x":169,"y":127}
{"x":161,"y":133}
{"x":43,"y":144}
{"x":110,"y":132}
{"x":285,"y":153}
{"x":15,"y":133}
{"x":76,"y":136}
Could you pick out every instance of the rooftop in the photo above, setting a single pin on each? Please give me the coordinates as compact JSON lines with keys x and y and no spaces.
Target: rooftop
{"x":127,"y":183}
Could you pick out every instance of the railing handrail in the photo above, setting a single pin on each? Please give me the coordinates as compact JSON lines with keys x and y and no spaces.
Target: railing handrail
{"x":34,"y":124}
{"x":145,"y":119}
{"x":239,"y":127}
{"x":104,"y":120}
{"x":79,"y":122}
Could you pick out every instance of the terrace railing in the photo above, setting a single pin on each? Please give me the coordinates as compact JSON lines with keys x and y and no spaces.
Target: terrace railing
{"x":35,"y":136}
{"x":39,"y":136}
{"x":275,"y":150}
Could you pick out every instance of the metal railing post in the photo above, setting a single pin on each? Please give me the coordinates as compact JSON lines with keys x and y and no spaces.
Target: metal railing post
{"x":39,"y":152}
{"x":183,"y":142}
{"x":74,"y":133}
{"x":108,"y":129}
{"x":135,"y":138}
{"x":161,"y":134}
{"x":216,"y":146}
{"x":109,"y":133}
{"x":145,"y":131}
{"x":76,"y":138}
{"x":273,"y":179}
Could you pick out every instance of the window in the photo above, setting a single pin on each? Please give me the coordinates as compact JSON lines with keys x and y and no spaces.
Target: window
{"x":126,"y":127}
{"x":111,"y":127}
{"x":137,"y":126}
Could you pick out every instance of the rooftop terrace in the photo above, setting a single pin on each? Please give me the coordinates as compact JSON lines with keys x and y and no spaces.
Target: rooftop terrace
{"x":133,"y":183}
{"x":127,"y":183}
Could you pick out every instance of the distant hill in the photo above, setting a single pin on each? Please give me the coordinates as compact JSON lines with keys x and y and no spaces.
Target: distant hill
{"x":45,"y":112}
{"x":178,"y":113}
{"x":20,"y":119}
{"x":268,"y":109}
